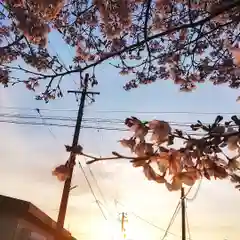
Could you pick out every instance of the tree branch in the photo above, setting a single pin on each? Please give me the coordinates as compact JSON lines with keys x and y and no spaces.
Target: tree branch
{"x":162,"y":34}
{"x":14,"y":42}
{"x":115,"y":157}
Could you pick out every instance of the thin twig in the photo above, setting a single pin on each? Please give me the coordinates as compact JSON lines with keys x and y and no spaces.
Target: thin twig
{"x":115,"y":157}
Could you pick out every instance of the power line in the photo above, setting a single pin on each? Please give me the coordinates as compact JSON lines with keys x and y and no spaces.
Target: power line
{"x":93,"y":176}
{"x":61,"y":125}
{"x":169,"y":112}
{"x":166,"y":231}
{"x":7,"y":116}
{"x":42,"y":109}
{"x":92,"y":119}
{"x":190,"y":133}
{"x":188,"y":226}
{"x":59,"y":118}
{"x":96,"y":182}
{"x":91,"y":189}
{"x":148,"y":222}
{"x":180,"y":205}
{"x":99,"y":190}
{"x":127,"y":111}
{"x":175,"y":213}
{"x":50,"y":131}
{"x":196,"y":192}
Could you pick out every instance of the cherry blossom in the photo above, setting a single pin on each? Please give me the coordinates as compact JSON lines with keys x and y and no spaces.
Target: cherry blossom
{"x":186,"y":42}
{"x":180,"y":158}
{"x":61,"y":172}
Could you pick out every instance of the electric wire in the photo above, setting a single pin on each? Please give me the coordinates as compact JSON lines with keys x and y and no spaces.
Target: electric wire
{"x":60,"y":118}
{"x":28,"y":123}
{"x":175,"y":213}
{"x":7,"y":116}
{"x":178,"y":207}
{"x":188,"y":226}
{"x":104,"y":206}
{"x":169,"y":112}
{"x":7,"y":119}
{"x":126,"y":111}
{"x":43,"y":120}
{"x":148,"y":222}
{"x":92,"y":174}
{"x":172,"y":221}
{"x":96,"y":182}
{"x":92,"y":191}
{"x":62,"y":125}
{"x":196,"y":192}
{"x":42,"y":109}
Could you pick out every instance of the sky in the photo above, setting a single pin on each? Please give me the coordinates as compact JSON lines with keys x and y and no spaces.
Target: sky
{"x":29,"y":153}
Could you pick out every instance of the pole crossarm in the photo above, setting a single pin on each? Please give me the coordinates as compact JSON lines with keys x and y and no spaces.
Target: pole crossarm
{"x":80,"y":92}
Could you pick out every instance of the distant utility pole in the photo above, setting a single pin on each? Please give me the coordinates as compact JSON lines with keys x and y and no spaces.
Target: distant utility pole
{"x":183,"y":205}
{"x":72,"y":159}
{"x":123,"y":221}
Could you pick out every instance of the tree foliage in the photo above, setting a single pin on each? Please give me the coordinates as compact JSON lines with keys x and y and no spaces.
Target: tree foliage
{"x":212,"y":152}
{"x":186,"y":41}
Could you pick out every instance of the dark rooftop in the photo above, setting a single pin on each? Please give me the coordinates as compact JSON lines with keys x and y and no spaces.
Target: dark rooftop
{"x":28,"y":211}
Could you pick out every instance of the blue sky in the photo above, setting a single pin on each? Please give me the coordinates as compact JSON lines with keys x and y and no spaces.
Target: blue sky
{"x":29,"y":154}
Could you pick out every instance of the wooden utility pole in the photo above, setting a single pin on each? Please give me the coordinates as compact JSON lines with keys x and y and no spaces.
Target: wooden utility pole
{"x":183,"y":207}
{"x":123,"y":220}
{"x":72,"y":159}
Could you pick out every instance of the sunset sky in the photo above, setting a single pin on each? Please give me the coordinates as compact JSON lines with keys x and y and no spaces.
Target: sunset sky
{"x":29,"y":153}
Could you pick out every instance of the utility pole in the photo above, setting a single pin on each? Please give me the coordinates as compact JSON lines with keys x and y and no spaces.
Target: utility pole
{"x":183,"y":207}
{"x":72,"y":159}
{"x":123,"y":220}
